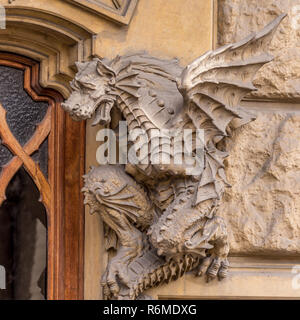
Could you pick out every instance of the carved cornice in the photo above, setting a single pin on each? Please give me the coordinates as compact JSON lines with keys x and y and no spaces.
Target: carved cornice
{"x":120,"y":11}
{"x":66,"y":42}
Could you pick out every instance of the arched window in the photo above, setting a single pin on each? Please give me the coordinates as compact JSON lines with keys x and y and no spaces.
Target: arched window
{"x":41,"y":164}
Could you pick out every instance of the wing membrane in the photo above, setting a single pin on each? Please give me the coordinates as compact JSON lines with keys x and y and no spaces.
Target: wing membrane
{"x":216,"y":82}
{"x":213,"y":86}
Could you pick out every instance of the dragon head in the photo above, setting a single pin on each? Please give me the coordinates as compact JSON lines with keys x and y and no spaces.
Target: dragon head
{"x":93,"y":92}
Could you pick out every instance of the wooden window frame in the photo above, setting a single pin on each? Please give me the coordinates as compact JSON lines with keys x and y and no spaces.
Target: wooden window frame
{"x":65,"y":212}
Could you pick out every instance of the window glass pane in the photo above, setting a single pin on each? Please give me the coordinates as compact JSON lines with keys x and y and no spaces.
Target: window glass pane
{"x":23,"y":240}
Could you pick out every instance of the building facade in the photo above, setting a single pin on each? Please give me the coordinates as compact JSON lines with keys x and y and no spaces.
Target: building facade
{"x":59,"y":244}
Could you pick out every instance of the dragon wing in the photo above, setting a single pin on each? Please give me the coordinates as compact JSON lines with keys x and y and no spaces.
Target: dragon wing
{"x":213,"y":86}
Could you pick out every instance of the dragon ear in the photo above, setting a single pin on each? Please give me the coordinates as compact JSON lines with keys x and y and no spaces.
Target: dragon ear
{"x":105,"y":70}
{"x":79,"y":65}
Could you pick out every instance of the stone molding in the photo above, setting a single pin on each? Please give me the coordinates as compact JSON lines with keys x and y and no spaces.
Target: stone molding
{"x":65,"y":42}
{"x":119,"y":11}
{"x":249,"y":278}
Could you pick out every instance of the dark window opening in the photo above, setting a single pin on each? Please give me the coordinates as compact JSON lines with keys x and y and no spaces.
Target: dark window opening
{"x":23,"y":240}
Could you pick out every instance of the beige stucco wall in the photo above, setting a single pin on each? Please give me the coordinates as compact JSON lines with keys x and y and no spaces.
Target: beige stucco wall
{"x":172,"y":28}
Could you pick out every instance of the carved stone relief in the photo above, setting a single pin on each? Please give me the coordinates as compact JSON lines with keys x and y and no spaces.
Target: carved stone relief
{"x":161,"y":220}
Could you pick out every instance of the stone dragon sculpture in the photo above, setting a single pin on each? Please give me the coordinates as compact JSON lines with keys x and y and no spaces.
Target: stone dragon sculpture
{"x":161,"y":220}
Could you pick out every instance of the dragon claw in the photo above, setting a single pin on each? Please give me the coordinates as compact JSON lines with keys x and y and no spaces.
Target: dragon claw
{"x":116,"y":272}
{"x":213,"y":268}
{"x":223,"y":271}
